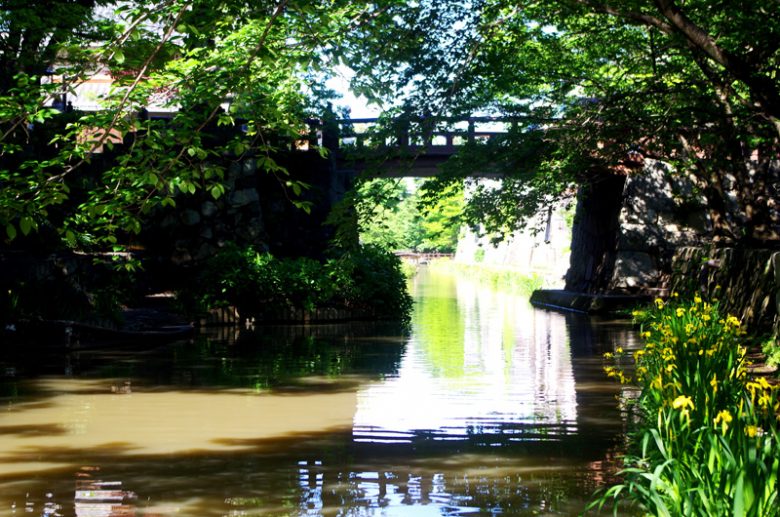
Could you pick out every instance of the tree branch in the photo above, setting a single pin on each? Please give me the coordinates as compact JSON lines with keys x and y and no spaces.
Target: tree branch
{"x":636,"y":17}
{"x":277,"y":12}
{"x":762,"y":89}
{"x":699,"y":37}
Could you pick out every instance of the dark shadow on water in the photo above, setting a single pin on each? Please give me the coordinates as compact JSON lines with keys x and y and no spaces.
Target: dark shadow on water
{"x":33,"y":430}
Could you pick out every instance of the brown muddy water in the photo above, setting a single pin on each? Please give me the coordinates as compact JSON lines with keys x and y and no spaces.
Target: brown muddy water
{"x":483,"y":406}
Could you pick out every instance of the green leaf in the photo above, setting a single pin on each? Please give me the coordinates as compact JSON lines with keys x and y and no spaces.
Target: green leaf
{"x":26,"y":224}
{"x":119,"y":56}
{"x":217,"y":191}
{"x":10,"y":230}
{"x":739,"y":496}
{"x":306,"y":206}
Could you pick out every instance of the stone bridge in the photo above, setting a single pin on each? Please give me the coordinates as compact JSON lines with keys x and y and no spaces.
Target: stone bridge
{"x":402,"y":147}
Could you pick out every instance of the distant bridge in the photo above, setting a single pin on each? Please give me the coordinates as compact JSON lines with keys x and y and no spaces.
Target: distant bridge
{"x":414,"y":257}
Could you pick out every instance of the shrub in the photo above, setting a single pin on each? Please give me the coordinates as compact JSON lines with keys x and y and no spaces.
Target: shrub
{"x":367,"y":280}
{"x":371,"y":279}
{"x":706,"y":439}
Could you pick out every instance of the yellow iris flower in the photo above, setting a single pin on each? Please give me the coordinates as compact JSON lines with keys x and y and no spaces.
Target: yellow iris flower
{"x":723,"y":418}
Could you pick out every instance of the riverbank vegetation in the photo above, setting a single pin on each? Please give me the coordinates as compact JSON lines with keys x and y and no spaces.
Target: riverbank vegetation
{"x":771,"y":348}
{"x":403,"y":215}
{"x":115,"y":117}
{"x":367,"y":281}
{"x":705,"y":440}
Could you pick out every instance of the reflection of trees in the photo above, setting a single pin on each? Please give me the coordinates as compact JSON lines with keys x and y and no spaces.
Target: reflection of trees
{"x":439,"y":324}
{"x":504,"y":350}
{"x":483,"y":367}
{"x":262,"y":359}
{"x":536,"y":456}
{"x":590,"y":337}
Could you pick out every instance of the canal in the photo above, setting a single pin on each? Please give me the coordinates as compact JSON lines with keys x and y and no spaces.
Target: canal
{"x":482,"y":406}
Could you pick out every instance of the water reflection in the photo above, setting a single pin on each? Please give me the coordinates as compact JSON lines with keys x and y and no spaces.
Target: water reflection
{"x":480,"y":362}
{"x":95,"y":497}
{"x":487,"y":407}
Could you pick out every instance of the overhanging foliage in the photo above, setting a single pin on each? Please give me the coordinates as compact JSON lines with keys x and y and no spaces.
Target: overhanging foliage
{"x":602,"y":85}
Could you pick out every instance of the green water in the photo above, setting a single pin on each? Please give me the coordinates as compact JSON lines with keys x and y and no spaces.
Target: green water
{"x":484,"y":406}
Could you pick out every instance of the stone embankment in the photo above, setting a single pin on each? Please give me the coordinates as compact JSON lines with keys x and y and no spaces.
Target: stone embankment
{"x":746,"y":281}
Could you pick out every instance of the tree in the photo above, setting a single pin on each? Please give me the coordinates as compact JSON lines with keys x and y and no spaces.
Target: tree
{"x":592,"y":85}
{"x":241,"y":77}
{"x":439,"y":220}
{"x":386,"y":214}
{"x":396,"y":218}
{"x":33,"y":33}
{"x":587,"y":84}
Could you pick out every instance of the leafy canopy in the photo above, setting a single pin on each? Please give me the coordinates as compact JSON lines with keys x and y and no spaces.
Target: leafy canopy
{"x":588,"y":85}
{"x":239,"y":77}
{"x":592,"y":85}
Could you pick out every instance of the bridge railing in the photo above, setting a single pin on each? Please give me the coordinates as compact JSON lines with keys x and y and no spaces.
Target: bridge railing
{"x":421,"y":257}
{"x":435,"y":135}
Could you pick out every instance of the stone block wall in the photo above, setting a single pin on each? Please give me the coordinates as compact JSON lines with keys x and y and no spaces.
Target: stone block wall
{"x":256,"y":209}
{"x":200,"y":224}
{"x":593,"y":235}
{"x":628,"y":226}
{"x":746,"y":281}
{"x":659,"y":215}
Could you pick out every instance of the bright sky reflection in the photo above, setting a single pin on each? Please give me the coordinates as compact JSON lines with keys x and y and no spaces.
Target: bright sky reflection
{"x":512,"y":369}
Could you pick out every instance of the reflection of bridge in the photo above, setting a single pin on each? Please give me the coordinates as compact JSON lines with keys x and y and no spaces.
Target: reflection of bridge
{"x":404,"y":147}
